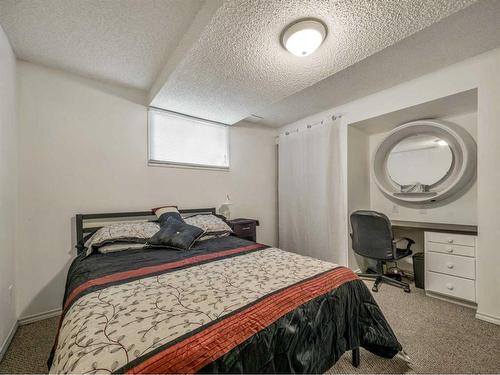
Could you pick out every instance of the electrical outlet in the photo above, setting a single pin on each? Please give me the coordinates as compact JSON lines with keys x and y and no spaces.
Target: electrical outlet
{"x":11,"y":294}
{"x":395,"y":209}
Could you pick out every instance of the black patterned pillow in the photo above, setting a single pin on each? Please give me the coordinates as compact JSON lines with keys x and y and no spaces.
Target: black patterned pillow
{"x":163,"y":213}
{"x":175,"y":234}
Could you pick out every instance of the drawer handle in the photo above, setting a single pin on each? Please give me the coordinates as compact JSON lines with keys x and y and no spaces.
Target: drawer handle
{"x":450,"y":250}
{"x":449,"y":265}
{"x":450,"y":240}
{"x":449,"y":286}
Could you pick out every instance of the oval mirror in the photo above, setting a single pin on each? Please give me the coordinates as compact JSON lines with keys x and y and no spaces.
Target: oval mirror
{"x":422,"y":159}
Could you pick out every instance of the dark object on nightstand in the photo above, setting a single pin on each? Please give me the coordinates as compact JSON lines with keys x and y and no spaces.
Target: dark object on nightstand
{"x":244,"y":228}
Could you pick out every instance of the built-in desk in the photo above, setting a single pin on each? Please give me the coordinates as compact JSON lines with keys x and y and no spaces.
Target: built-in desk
{"x":435,"y":227}
{"x":450,"y":259}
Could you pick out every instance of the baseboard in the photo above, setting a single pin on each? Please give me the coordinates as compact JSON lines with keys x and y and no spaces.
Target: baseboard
{"x":442,"y":297}
{"x":41,"y":316}
{"x":8,"y":340}
{"x":488,"y":318}
{"x":26,"y":320}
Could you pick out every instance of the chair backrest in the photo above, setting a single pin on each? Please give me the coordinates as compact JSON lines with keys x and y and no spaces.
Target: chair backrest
{"x":372,"y":234}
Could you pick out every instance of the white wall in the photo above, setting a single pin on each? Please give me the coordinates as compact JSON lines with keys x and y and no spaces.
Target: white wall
{"x":459,"y":209}
{"x":8,"y":186}
{"x":83,"y":149}
{"x":488,"y":264}
{"x":481,"y":72}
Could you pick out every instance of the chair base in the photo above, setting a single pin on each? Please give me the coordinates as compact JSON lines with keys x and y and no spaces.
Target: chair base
{"x":380,"y":278}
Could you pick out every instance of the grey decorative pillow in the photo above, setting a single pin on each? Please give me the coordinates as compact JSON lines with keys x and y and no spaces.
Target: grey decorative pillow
{"x":211,"y":224}
{"x":121,"y":232}
{"x":175,"y":234}
{"x":163,"y":213}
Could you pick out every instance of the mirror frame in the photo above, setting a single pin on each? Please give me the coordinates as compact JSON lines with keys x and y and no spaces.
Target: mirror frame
{"x":462,"y":171}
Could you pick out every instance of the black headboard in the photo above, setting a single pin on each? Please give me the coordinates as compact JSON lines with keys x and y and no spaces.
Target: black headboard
{"x":89,"y":223}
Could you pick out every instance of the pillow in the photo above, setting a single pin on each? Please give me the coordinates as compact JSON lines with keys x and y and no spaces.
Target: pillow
{"x":120,"y":246}
{"x":210,"y":236}
{"x":175,"y":234}
{"x":163,"y":213}
{"x":80,"y":246}
{"x":121,"y":232}
{"x":211,"y":224}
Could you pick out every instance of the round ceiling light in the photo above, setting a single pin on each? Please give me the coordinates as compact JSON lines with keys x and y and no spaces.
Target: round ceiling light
{"x":303,"y":37}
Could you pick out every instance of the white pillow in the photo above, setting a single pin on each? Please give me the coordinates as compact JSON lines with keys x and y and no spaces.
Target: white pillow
{"x":120,"y":246}
{"x":138,"y":233}
{"x":211,"y":224}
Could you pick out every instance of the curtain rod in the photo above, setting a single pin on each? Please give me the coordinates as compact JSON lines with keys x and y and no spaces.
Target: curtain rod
{"x":309,"y":126}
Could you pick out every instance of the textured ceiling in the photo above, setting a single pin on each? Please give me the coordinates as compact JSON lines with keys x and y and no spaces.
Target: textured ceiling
{"x":222,"y":59}
{"x":464,"y":34}
{"x":122,"y":41}
{"x":238,"y":66}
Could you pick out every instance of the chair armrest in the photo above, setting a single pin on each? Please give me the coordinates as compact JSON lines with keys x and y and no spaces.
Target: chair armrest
{"x":396,"y":240}
{"x":409,"y":240}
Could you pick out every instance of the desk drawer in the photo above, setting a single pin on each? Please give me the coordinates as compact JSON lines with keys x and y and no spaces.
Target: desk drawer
{"x":455,"y":239}
{"x":451,"y":265}
{"x":451,"y":285}
{"x":452,"y":249}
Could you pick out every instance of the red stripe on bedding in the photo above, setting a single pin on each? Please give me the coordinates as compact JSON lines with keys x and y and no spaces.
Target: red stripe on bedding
{"x":201,"y":349}
{"x":153,"y":269}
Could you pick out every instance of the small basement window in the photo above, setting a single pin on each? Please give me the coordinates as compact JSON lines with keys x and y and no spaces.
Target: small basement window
{"x":180,"y":140}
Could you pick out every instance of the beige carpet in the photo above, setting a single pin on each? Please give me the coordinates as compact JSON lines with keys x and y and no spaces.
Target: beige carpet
{"x":439,"y":337}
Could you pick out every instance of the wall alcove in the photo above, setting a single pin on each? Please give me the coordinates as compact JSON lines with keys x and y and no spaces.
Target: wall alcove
{"x":364,"y":137}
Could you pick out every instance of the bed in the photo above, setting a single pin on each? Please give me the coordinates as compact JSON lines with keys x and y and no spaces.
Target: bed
{"x":228,"y":305}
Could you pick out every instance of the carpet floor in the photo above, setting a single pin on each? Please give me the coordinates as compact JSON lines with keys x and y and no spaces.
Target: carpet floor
{"x":438,"y":337}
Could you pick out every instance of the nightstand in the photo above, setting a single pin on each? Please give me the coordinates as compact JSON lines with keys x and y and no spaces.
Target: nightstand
{"x":244,"y":228}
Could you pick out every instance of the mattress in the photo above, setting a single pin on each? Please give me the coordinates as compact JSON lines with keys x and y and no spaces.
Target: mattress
{"x":225,"y":306}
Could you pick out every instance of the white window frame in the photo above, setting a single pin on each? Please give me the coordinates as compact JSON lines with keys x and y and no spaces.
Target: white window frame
{"x":172,"y":164}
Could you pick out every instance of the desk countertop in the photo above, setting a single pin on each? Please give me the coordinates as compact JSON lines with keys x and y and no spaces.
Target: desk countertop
{"x":435,"y":227}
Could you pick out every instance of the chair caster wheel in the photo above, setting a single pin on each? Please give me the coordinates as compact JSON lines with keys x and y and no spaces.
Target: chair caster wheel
{"x":407,"y":290}
{"x":375,"y":289}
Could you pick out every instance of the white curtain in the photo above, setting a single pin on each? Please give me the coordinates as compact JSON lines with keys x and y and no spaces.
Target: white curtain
{"x":312,"y":204}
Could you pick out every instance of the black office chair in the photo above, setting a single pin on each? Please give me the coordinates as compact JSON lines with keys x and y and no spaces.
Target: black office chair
{"x":372,"y":238}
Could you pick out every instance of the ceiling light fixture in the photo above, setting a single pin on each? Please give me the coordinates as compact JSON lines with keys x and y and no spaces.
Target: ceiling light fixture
{"x":303,"y":37}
